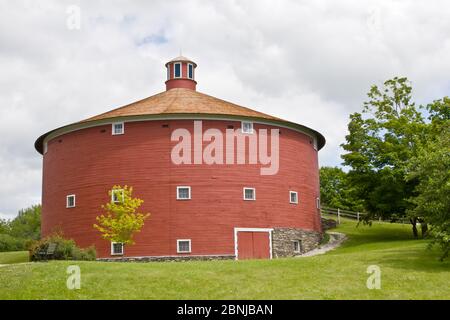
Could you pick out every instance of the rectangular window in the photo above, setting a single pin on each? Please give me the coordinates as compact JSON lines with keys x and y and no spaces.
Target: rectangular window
{"x":293,"y":197}
{"x":249,"y":194}
{"x":168,"y":71}
{"x":247,"y":127}
{"x":70,"y":201}
{"x":118,"y":128}
{"x":184,"y":246}
{"x":117,"y":196}
{"x":177,"y":70}
{"x":116,"y":248}
{"x":297,"y":246}
{"x":183,"y":193}
{"x":190,"y":71}
{"x":318,"y":203}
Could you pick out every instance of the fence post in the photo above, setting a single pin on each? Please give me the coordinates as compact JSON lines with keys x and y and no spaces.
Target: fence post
{"x":339,"y":216}
{"x":357,"y":216}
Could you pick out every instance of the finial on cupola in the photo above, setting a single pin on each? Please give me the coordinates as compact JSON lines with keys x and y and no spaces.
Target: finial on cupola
{"x":180,"y":73}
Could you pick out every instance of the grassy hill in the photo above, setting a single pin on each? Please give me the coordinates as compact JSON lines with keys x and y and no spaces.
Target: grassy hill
{"x":408,"y":271}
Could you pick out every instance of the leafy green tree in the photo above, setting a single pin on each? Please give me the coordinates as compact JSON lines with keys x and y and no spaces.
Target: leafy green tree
{"x":335,"y":191}
{"x":4,"y":226}
{"x":431,"y":168}
{"x":121,"y":221}
{"x":380,"y":143}
{"x":27,"y":224}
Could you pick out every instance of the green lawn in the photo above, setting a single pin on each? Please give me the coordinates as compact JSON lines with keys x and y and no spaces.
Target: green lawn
{"x":408,"y":271}
{"x":14,"y":257}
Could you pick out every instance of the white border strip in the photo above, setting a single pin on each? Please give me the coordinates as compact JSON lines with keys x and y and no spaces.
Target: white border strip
{"x":204,"y":117}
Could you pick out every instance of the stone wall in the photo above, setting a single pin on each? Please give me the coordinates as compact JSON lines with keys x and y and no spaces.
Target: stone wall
{"x":328,"y":224}
{"x":283,"y":241}
{"x":168,"y":258}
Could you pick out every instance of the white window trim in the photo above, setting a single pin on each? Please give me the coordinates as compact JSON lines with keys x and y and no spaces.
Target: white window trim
{"x":236,"y":230}
{"x":183,"y":187}
{"x":242,"y":127}
{"x":190,"y":65}
{"x":299,"y":246}
{"x":116,"y":123}
{"x":178,"y":245}
{"x":318,"y":203}
{"x":112,"y":249}
{"x":112,"y":195}
{"x":296,"y":197}
{"x":74,"y":201}
{"x":254,"y":193}
{"x":181,"y":70}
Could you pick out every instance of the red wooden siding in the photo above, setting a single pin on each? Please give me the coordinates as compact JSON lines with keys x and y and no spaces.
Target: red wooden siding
{"x":90,"y":161}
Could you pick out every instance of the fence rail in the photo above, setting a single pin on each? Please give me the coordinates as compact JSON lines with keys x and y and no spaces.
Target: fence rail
{"x":341,"y":213}
{"x":354,"y":215}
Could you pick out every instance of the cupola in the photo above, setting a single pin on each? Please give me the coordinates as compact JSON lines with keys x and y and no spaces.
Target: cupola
{"x":181,"y":73}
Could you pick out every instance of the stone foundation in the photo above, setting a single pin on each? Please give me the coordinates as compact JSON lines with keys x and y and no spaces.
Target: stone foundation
{"x":282,"y":246}
{"x":168,"y":258}
{"x":328,"y":224}
{"x":283,"y":241}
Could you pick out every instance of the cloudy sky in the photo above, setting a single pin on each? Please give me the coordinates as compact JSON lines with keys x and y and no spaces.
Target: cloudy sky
{"x":311,"y":62}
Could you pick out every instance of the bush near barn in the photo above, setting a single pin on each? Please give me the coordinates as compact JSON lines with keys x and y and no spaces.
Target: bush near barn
{"x":66,"y":249}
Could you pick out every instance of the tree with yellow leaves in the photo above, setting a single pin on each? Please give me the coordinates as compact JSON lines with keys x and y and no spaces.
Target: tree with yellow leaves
{"x":121,"y":221}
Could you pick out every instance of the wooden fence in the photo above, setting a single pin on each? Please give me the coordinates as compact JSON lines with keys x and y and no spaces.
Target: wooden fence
{"x":341,"y":213}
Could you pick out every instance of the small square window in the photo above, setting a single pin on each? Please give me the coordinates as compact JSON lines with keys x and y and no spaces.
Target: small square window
{"x":183,"y":193}
{"x":184,"y":246}
{"x":177,"y":70}
{"x":297,"y":246}
{"x":118,"y":128}
{"x":247,"y":127}
{"x":249,"y":194}
{"x":117,"y":196}
{"x":293,"y":197}
{"x":116,"y":248}
{"x":70,"y":201}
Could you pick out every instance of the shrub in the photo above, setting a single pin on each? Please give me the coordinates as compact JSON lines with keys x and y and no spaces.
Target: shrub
{"x":9,"y":243}
{"x":66,"y":249}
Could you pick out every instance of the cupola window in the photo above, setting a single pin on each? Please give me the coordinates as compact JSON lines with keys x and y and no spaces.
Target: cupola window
{"x":177,"y":70}
{"x":190,"y":71}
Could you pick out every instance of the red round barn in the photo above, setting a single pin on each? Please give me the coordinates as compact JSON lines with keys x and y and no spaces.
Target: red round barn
{"x":220,"y":180}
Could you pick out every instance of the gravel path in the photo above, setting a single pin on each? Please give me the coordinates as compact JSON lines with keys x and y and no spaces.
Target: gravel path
{"x":336,"y":238}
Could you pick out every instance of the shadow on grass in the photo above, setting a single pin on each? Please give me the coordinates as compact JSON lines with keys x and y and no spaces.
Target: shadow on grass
{"x":415,"y":259}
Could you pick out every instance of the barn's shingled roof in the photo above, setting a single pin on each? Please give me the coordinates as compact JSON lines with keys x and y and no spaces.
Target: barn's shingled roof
{"x":179,"y":102}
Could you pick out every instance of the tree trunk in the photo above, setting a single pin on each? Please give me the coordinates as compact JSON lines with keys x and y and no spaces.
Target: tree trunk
{"x":414,"y":229}
{"x":424,"y":228}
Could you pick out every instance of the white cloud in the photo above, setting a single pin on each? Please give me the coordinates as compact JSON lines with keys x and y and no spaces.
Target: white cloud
{"x":310,"y":62}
